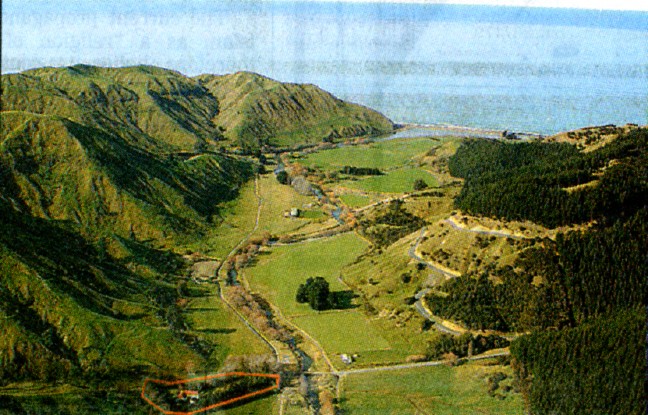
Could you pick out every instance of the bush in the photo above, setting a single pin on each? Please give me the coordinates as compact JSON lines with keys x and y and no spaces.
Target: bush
{"x":282,"y":177}
{"x":419,"y":184}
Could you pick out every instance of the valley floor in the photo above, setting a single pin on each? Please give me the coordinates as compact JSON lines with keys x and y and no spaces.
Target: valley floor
{"x":375,"y":327}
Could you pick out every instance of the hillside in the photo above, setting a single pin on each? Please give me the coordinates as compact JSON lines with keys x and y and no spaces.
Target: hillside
{"x":581,"y":294}
{"x":255,"y":110}
{"x":105,"y":175}
{"x":157,"y":107}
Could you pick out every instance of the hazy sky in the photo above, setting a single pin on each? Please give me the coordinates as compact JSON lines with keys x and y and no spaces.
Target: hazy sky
{"x":641,"y":5}
{"x":525,"y":68}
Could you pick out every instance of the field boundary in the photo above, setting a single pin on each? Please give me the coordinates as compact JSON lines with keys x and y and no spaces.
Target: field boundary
{"x":204,"y":378}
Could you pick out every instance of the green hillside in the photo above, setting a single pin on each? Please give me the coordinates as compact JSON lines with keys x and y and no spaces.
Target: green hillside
{"x":59,"y":169}
{"x":162,"y":108}
{"x":255,"y":110}
{"x":105,"y":175}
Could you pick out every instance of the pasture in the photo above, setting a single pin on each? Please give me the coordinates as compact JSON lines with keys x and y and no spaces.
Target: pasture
{"x":355,"y":201}
{"x":342,"y":332}
{"x":395,"y":181}
{"x":209,"y":318}
{"x":438,"y":390}
{"x":380,"y":155}
{"x":281,"y":269}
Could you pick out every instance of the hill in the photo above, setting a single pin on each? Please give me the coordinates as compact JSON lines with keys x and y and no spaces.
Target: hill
{"x":152,"y":106}
{"x":255,"y":110}
{"x":107,"y":173}
{"x":582,"y":295}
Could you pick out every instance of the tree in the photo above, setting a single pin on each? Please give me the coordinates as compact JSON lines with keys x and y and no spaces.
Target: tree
{"x":419,"y":184}
{"x":302,"y":295}
{"x":282,"y":177}
{"x":315,"y":292}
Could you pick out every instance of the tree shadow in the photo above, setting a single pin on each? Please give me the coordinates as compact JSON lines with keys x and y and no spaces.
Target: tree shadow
{"x":342,"y":300}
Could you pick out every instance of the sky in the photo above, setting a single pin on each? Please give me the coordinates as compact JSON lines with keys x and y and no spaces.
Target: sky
{"x":638,"y":5}
{"x":528,"y":68}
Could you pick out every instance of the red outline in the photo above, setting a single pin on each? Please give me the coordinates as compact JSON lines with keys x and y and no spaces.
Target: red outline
{"x":216,"y":405}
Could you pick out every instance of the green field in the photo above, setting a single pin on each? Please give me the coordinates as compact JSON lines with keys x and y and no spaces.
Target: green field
{"x":355,"y":201}
{"x":438,"y":390}
{"x":279,"y":272}
{"x":279,"y":198}
{"x":266,"y":405}
{"x":239,"y":215}
{"x":381,"y":155}
{"x":342,"y":332}
{"x":396,"y":181}
{"x":209,"y":318}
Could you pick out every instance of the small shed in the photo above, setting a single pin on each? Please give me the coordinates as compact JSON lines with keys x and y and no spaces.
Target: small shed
{"x":346,"y":358}
{"x":294,"y":212}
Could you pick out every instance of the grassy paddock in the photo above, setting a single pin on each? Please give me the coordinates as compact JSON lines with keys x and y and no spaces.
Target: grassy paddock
{"x":438,"y":390}
{"x":396,"y":181}
{"x":279,"y":198}
{"x":342,"y":332}
{"x":212,"y":320}
{"x":266,"y":405}
{"x":381,"y":155}
{"x":355,"y":201}
{"x":280,"y":270}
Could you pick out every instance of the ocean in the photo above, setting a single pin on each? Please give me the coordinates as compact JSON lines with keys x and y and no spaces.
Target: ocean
{"x":519,"y":69}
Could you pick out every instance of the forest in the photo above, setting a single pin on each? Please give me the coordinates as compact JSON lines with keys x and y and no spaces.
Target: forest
{"x":583,"y":295}
{"x":547,"y":177}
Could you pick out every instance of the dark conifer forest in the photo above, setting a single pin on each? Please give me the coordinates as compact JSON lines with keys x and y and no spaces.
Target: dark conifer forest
{"x":582,"y":296}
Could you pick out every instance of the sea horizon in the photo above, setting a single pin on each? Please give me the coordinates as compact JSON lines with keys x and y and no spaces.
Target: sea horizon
{"x":493,"y":67}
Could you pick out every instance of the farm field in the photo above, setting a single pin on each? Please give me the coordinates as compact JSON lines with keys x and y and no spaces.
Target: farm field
{"x":380,"y":155}
{"x":355,"y":201}
{"x":395,"y":181}
{"x":281,"y":269}
{"x":279,"y":198}
{"x":438,"y":390}
{"x":342,"y":332}
{"x":211,"y":319}
{"x":266,"y":405}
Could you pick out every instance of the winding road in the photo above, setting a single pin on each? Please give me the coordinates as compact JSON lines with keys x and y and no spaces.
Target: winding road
{"x":419,"y":296}
{"x":460,"y":228}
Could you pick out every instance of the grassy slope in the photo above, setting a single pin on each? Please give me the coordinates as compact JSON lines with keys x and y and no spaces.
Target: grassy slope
{"x":256,"y":108}
{"x":90,"y":168}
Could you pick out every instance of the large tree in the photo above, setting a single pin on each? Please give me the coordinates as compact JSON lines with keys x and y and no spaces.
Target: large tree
{"x":315,"y":292}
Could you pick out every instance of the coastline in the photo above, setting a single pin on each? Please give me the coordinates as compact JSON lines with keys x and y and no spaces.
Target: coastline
{"x":405,"y":130}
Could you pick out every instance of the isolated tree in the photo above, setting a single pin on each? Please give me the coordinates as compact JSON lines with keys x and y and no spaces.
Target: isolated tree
{"x":315,"y":292}
{"x":282,"y":177}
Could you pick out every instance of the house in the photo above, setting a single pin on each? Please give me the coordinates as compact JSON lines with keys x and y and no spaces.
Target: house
{"x":192,"y":396}
{"x":346,"y":358}
{"x":294,"y":212}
